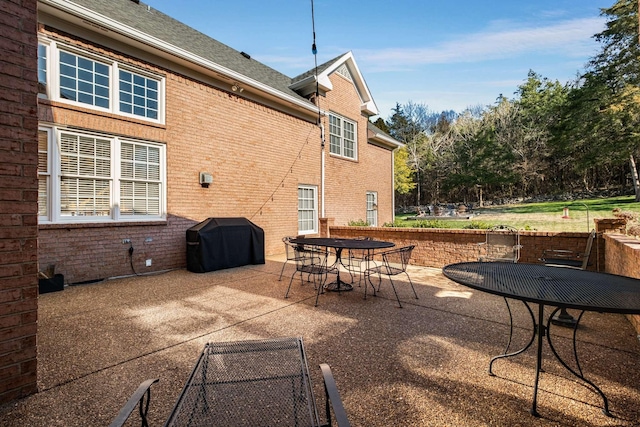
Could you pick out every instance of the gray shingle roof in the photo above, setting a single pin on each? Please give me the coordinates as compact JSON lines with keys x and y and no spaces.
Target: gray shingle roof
{"x":155,"y":23}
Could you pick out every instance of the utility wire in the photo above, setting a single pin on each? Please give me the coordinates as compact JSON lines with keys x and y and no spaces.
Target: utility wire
{"x":314,"y":50}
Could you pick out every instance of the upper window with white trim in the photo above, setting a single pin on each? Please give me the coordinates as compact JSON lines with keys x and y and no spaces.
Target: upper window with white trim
{"x":91,"y":177}
{"x":343,"y":137}
{"x":68,"y":74}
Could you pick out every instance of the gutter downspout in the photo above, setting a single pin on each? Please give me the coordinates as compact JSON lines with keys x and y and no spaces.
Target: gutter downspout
{"x":322,"y":164}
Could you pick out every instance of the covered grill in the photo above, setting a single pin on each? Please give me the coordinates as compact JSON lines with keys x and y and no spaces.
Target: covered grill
{"x":219,"y":243}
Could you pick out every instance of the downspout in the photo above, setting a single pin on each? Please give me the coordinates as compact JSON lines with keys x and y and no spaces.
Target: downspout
{"x":393,"y":185}
{"x":322,"y":170}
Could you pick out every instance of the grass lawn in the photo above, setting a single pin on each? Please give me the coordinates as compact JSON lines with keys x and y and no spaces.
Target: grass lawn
{"x":543,"y":216}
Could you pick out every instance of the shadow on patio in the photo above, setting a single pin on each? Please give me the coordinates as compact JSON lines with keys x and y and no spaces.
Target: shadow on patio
{"x":423,"y":365}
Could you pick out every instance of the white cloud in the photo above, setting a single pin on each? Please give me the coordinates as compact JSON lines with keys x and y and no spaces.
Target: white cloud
{"x":571,"y":38}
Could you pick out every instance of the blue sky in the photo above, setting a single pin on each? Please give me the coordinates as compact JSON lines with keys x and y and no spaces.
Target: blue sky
{"x":443,"y":54}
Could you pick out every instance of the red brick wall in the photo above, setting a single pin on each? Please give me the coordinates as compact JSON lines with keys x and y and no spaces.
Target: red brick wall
{"x":18,"y":199}
{"x":258,"y":156}
{"x":348,"y":181}
{"x":623,"y":258}
{"x":439,"y":247}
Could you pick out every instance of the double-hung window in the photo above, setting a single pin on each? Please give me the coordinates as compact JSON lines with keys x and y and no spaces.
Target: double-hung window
{"x":307,"y":209}
{"x":342,"y":137}
{"x":97,"y":82}
{"x":99,"y":178}
{"x":372,"y":208}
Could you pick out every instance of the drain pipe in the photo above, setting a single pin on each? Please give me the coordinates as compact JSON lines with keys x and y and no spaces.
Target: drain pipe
{"x":322,"y":170}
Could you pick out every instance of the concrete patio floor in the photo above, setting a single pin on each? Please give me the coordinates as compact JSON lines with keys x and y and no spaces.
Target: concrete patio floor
{"x":422,"y":365}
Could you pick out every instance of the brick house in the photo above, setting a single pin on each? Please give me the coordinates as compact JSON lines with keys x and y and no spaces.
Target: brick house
{"x":136,"y":108}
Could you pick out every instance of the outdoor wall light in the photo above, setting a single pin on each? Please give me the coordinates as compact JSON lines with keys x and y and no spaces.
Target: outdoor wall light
{"x":205,"y":179}
{"x":237,"y":88}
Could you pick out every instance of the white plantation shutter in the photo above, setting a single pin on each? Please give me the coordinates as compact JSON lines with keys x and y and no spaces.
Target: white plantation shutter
{"x":140,"y":179}
{"x":43,"y":172}
{"x":85,"y":169}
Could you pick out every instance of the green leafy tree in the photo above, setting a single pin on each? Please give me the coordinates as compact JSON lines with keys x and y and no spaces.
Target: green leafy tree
{"x":602,"y":116}
{"x":403,"y":175}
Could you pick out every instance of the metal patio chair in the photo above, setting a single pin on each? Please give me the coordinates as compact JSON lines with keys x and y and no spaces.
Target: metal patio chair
{"x":248,"y":383}
{"x":314,"y":263}
{"x":566,"y":258}
{"x":289,"y":252}
{"x":394,"y":262}
{"x":354,"y":260}
{"x":502,"y":244}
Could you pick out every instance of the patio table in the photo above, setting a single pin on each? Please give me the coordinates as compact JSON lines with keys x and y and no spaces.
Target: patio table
{"x":339,"y":245}
{"x":554,"y":286}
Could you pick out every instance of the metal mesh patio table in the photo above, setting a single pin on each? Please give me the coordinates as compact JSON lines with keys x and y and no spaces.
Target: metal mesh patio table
{"x":554,"y":286}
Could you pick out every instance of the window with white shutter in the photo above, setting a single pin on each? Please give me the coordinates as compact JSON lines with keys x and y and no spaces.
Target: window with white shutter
{"x":85,"y":175}
{"x":100,"y":178}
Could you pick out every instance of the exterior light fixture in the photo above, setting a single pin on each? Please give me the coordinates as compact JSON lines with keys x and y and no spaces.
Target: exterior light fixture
{"x":205,"y":179}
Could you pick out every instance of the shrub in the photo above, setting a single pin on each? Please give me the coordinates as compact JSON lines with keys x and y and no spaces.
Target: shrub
{"x":358,"y":223}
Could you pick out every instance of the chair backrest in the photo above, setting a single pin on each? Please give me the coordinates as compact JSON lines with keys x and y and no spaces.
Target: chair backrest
{"x":587,"y":250}
{"x":502,"y":244}
{"x":397,"y":260}
{"x":289,"y":248}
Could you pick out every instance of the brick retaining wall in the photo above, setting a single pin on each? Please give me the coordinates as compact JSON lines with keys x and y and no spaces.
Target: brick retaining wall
{"x":612,"y":252}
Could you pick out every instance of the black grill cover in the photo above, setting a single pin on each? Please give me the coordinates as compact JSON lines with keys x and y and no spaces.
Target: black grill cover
{"x":218,"y":243}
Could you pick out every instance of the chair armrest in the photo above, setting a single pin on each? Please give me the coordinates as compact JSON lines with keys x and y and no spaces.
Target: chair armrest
{"x":137,"y":398}
{"x":332,"y":395}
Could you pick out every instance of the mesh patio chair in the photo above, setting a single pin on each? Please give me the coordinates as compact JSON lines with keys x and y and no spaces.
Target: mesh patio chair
{"x":310,"y":261}
{"x":290,"y":253}
{"x":502,"y":244}
{"x":246,"y":383}
{"x":354,"y":260}
{"x":566,"y":258}
{"x":394,"y":262}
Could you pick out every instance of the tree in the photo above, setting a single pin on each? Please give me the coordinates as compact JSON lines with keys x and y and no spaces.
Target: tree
{"x":403,"y":175}
{"x":608,"y":95}
{"x":408,"y":125}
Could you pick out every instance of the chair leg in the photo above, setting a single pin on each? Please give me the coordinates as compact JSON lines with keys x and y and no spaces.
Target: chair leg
{"x":282,"y":270}
{"x":411,"y":283}
{"x":394,"y":291}
{"x":289,"y":287}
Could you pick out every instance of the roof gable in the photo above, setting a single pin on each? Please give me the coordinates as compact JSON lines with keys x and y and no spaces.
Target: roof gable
{"x":308,"y":82}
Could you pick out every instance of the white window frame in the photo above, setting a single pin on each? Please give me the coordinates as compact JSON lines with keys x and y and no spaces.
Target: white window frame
{"x":53,"y":49}
{"x":339,"y":134}
{"x":54,"y":212}
{"x":372,"y":208}
{"x":308,"y":209}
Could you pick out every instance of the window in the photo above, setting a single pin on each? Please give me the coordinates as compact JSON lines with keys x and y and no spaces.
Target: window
{"x":42,"y":69}
{"x":88,"y":79}
{"x":85,"y":177}
{"x":307,"y":209}
{"x":43,"y":171}
{"x":138,"y":95}
{"x":372,"y":208}
{"x":140,"y":179}
{"x":342,"y":134}
{"x":84,"y":80}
